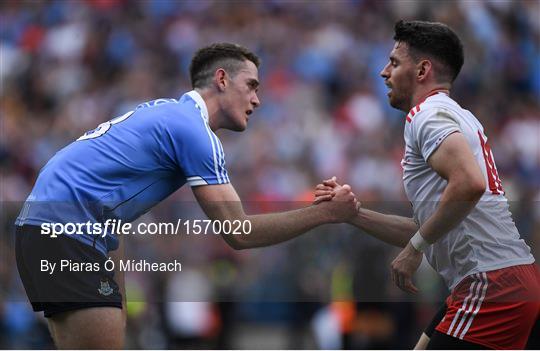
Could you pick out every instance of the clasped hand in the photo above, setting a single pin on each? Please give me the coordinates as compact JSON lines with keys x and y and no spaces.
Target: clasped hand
{"x":339,"y":199}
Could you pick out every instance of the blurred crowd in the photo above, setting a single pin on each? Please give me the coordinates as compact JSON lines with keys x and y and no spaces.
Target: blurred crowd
{"x":66,"y":66}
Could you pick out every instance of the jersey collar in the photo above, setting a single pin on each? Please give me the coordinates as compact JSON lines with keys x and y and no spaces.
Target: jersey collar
{"x":200,"y":102}
{"x":416,"y":108}
{"x":434,"y":92}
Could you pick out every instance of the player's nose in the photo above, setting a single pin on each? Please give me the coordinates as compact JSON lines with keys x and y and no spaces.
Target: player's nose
{"x":255,"y":102}
{"x":385,"y":72}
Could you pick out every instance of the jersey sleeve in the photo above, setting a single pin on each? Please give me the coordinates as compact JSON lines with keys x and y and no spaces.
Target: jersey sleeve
{"x":197,"y":151}
{"x":431,"y":127}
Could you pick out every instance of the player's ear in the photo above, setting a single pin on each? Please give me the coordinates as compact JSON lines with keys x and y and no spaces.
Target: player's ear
{"x":422,"y":69}
{"x":220,"y":78}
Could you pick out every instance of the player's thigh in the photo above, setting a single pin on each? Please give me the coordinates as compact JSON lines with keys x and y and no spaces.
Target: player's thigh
{"x":422,"y":343}
{"x":440,"y":341}
{"x":89,"y":328}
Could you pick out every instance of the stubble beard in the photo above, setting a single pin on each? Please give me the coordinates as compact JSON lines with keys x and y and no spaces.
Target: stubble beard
{"x":399,"y":101}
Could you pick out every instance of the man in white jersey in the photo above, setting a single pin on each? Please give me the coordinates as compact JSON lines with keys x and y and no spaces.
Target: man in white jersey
{"x":461,"y":219}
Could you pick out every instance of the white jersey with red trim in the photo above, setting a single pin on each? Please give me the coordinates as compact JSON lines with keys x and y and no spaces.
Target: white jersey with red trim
{"x":487,"y":239}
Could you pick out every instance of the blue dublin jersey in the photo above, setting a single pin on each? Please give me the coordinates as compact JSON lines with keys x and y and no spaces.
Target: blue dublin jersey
{"x":127,"y":165}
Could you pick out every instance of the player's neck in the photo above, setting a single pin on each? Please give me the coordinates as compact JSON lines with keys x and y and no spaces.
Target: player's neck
{"x":212,"y":106}
{"x":422,"y":94}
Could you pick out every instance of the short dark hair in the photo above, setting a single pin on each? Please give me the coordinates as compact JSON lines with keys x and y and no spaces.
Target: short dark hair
{"x":226,"y":55}
{"x":437,"y":40}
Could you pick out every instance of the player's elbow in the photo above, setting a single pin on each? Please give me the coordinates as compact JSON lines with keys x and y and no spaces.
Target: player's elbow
{"x":236,"y":245}
{"x":474,"y":188}
{"x":236,"y":242}
{"x":470,"y":185}
{"x":478,"y":187}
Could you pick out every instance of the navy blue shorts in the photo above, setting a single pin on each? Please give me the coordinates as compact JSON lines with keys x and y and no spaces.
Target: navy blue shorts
{"x":79,"y":279}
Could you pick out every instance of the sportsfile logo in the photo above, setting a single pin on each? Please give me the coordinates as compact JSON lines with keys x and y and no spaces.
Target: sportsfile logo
{"x":100,"y":229}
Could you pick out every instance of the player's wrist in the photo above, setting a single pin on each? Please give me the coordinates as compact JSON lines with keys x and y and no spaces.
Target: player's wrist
{"x":324,"y":214}
{"x":356,"y":219}
{"x":418,"y":242}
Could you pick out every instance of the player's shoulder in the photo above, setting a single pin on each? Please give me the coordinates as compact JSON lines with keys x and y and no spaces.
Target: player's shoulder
{"x":167,"y":107}
{"x":173,"y":114}
{"x":434,"y":105}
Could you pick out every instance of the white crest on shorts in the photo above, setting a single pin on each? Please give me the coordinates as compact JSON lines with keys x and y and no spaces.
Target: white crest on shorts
{"x":105,"y":288}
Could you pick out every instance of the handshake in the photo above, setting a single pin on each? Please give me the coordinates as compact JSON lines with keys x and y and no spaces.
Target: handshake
{"x":339,"y":200}
{"x":343,"y":206}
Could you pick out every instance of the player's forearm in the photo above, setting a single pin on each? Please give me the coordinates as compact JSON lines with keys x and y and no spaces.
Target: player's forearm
{"x":220,"y":202}
{"x":394,"y":230}
{"x":274,"y":228}
{"x":457,"y":201}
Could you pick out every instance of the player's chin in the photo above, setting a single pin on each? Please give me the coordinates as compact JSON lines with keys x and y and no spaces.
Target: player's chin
{"x":240,"y":126}
{"x":395,"y":103}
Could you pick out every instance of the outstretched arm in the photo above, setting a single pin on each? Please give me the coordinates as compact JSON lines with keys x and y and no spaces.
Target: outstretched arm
{"x":392,"y":229}
{"x":221,"y":202}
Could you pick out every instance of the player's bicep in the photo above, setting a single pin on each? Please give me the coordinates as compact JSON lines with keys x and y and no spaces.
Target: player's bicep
{"x":454,"y":160}
{"x":198,"y":153}
{"x":219,"y":202}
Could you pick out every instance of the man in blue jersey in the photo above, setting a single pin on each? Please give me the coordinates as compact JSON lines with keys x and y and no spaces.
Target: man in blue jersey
{"x":127,"y":165}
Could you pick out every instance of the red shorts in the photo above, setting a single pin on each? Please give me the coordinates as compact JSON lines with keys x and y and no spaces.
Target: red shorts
{"x":495,"y":309}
